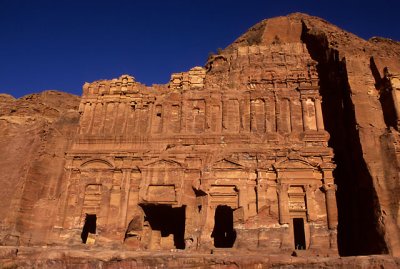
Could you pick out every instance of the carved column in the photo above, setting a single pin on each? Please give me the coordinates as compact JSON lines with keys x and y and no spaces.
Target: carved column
{"x":318,"y":114}
{"x":133,"y":197}
{"x":150,"y":111}
{"x":331,"y":208}
{"x":103,"y":233}
{"x":69,"y":200}
{"x":114,"y":116}
{"x":104,"y":211}
{"x":261,"y":189}
{"x":270,"y":118}
{"x":245,"y":114}
{"x":96,"y":118}
{"x":220,"y":116}
{"x":184,"y":109}
{"x":330,"y":194}
{"x":115,"y":200}
{"x":310,"y":198}
{"x":125,"y":117}
{"x":304,"y":112}
{"x":119,"y":119}
{"x":79,"y":213}
{"x":125,"y":189}
{"x":253,"y":119}
{"x":283,"y":200}
{"x":103,"y":117}
{"x":208,"y":113}
{"x":243,"y":201}
{"x":87,"y":118}
{"x":205,"y":240}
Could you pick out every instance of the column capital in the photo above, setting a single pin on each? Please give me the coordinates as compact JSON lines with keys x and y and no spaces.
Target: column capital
{"x":282,"y":187}
{"x":327,"y":166}
{"x":329,"y":187}
{"x":310,"y":188}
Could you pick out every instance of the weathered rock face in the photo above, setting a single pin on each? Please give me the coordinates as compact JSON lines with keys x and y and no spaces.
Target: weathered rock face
{"x":35,"y":133}
{"x":250,"y":152}
{"x":359,"y":115}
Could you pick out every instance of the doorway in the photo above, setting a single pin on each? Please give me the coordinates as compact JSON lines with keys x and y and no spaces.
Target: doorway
{"x":168,"y":220}
{"x":299,"y":235}
{"x":88,"y":227}
{"x":224,"y":235}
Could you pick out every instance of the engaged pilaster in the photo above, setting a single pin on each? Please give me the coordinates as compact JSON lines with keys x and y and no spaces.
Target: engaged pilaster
{"x":305,"y":112}
{"x":318,"y":114}
{"x":330,"y":195}
{"x":284,"y":216}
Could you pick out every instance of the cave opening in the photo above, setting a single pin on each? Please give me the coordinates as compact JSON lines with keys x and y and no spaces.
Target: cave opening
{"x":88,"y":227}
{"x":224,"y":235}
{"x":299,"y":235}
{"x":168,"y":220}
{"x":359,"y":232}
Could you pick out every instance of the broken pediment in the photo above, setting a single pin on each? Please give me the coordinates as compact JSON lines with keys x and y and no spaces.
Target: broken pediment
{"x":293,"y":164}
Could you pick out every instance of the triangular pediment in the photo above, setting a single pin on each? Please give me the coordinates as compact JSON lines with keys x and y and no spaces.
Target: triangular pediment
{"x":227,"y":164}
{"x":293,"y":164}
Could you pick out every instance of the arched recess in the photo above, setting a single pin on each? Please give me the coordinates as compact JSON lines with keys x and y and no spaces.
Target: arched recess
{"x":96,"y":163}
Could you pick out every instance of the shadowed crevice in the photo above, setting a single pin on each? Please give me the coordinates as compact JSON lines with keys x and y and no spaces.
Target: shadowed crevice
{"x":359,"y":231}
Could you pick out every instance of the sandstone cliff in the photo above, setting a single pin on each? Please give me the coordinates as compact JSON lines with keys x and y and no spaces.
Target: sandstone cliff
{"x":358,"y":81}
{"x":352,"y":73}
{"x":35,"y":132}
{"x":363,"y":129}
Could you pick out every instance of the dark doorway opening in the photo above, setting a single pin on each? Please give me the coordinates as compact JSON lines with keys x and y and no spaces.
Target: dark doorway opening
{"x":88,"y":227}
{"x":167,"y":220}
{"x":299,"y":236}
{"x":224,"y":235}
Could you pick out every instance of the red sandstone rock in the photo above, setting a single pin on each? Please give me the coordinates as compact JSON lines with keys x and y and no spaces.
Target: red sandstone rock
{"x":244,"y":154}
{"x":35,"y":132}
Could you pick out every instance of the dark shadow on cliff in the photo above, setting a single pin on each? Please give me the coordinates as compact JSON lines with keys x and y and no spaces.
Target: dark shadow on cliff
{"x":385,"y":96}
{"x":359,"y":232}
{"x":388,"y":142}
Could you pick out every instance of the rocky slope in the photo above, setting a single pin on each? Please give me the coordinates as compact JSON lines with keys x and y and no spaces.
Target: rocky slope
{"x":35,"y":132}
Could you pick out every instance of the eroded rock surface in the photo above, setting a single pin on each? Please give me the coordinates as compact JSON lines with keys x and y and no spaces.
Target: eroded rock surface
{"x":287,"y":140}
{"x":35,"y":133}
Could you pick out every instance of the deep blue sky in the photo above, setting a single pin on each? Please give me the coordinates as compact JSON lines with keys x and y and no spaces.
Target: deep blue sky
{"x":60,"y":44}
